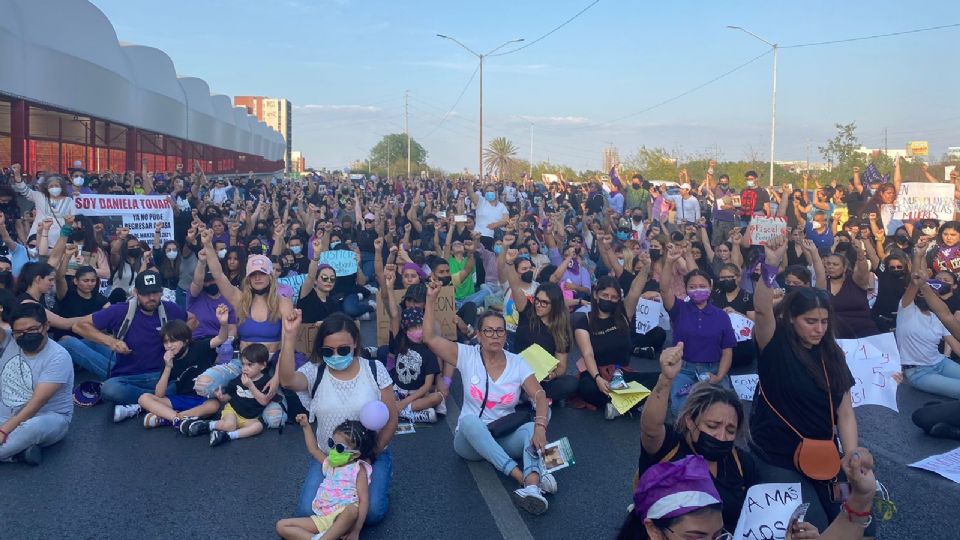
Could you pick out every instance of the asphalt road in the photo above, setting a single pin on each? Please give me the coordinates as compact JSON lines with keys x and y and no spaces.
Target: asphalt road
{"x":107,"y":481}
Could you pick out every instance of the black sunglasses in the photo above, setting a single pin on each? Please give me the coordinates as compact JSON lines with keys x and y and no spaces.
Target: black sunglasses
{"x":328,"y":279}
{"x":331,"y":444}
{"x":342,"y":350}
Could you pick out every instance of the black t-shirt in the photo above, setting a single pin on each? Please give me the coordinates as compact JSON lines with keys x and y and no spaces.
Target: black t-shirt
{"x":365,"y":240}
{"x":413,"y":365}
{"x":314,"y":309}
{"x":198,"y":358}
{"x":610,"y":344}
{"x":743,"y":302}
{"x":752,"y":201}
{"x":540,"y":334}
{"x":242,"y":400}
{"x":73,"y":305}
{"x":855,"y":201}
{"x":731,"y":483}
{"x":792,"y":256}
{"x":794,"y":391}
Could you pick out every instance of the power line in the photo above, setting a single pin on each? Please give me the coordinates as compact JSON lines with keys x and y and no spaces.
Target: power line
{"x":457,"y":102}
{"x":564,"y":23}
{"x":875,"y":36}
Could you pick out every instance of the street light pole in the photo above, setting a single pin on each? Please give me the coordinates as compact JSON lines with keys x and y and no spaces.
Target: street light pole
{"x":480,"y":57}
{"x":773,"y":106}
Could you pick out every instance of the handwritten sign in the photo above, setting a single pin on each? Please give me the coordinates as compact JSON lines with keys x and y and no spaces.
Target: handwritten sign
{"x":946,"y":465}
{"x":446,"y":315}
{"x":742,"y":327}
{"x":295,"y":283}
{"x":766,"y":229}
{"x":648,"y":315}
{"x":873,"y":361}
{"x":138,"y":213}
{"x":344,"y":262}
{"x":766,"y":511}
{"x":745,"y":385}
{"x":919,"y":200}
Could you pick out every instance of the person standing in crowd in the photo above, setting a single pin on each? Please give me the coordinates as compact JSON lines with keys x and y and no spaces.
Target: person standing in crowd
{"x":50,"y":201}
{"x":491,"y":214}
{"x":725,"y":215}
{"x":686,"y":206}
{"x":754,"y":201}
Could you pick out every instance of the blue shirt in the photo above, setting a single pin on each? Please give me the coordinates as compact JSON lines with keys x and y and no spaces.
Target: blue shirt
{"x":18,"y":257}
{"x":822,"y":241}
{"x":704,"y":332}
{"x":143,"y":337}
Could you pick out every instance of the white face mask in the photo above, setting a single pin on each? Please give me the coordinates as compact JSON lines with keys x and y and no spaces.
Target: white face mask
{"x":78,"y":181}
{"x":221,"y":253}
{"x":32,"y":252}
{"x":817,"y":225}
{"x":928,"y":231}
{"x":55,"y":191}
{"x":171,"y":255}
{"x":750,"y":183}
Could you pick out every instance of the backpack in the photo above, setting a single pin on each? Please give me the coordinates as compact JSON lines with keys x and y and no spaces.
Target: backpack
{"x":132,"y":306}
{"x":295,"y":407}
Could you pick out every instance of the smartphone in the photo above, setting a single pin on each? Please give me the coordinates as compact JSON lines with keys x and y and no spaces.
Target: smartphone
{"x":839,"y":491}
{"x":460,"y":219}
{"x":441,"y":214}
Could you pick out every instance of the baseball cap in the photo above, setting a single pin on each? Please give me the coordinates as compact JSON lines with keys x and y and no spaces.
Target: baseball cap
{"x":369,"y":217}
{"x":149,"y":282}
{"x":668,"y":490}
{"x":259,"y":263}
{"x":684,"y":186}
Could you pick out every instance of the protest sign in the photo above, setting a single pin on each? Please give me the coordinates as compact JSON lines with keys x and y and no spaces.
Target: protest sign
{"x":445,"y":315}
{"x":767,"y":510}
{"x":539,"y":360}
{"x":920,"y":200}
{"x":766,"y":229}
{"x":624,"y":399}
{"x":548,"y":177}
{"x":745,"y":385}
{"x":306,"y":338}
{"x":82,"y":258}
{"x":343,"y":261}
{"x":873,"y":361}
{"x":946,"y":465}
{"x":742,"y":327}
{"x":648,"y":315}
{"x":138,"y":213}
{"x":295,"y":283}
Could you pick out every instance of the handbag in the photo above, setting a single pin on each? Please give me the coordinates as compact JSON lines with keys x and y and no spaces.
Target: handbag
{"x":506,"y":424}
{"x":817,"y":459}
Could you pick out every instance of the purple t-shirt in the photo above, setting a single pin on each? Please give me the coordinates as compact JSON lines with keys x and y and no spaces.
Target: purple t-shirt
{"x":204,"y":309}
{"x":143,"y":337}
{"x":704,"y":332}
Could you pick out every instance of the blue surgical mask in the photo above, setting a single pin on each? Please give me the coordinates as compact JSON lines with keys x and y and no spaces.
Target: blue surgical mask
{"x":490,"y":196}
{"x":337,"y":362}
{"x":296,"y":249}
{"x":621,"y":235}
{"x":497,"y":249}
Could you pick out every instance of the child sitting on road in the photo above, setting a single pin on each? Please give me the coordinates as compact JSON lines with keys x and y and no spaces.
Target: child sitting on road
{"x":340,"y":506}
{"x":245,"y":401}
{"x":184,"y":360}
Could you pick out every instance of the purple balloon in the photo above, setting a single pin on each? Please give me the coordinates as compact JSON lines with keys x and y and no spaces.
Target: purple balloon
{"x":374,"y":415}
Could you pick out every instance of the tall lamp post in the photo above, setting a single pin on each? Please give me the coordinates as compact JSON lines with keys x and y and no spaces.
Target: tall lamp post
{"x":773,"y":106}
{"x":480,"y":57}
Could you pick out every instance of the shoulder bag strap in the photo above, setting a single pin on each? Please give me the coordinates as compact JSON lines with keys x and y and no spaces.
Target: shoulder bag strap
{"x":833,"y":421}
{"x":775,"y":411}
{"x":486,"y":387}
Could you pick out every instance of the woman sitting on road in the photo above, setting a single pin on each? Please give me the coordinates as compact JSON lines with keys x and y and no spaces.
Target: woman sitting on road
{"x":729,"y":297}
{"x":490,"y":428}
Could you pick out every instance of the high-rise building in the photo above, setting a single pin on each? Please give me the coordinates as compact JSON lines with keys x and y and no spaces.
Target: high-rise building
{"x":611,"y":156}
{"x":276,"y":113}
{"x":298,"y":163}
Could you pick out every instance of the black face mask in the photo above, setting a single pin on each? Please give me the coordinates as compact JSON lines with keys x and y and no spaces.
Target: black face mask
{"x":135,"y":252}
{"x":527,"y":277}
{"x":212,"y":289}
{"x":445,"y":281}
{"x":6,"y":278}
{"x":606,"y":306}
{"x":897,"y":273}
{"x":636,"y":186}
{"x":711,"y":448}
{"x":30,"y":342}
{"x":655,"y":254}
{"x":726,"y":285}
{"x":637,"y":219}
{"x":76,"y":235}
{"x":260,"y":292}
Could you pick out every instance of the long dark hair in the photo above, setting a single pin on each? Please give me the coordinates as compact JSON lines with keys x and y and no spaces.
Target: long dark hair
{"x":619,"y":314}
{"x":633,"y":528}
{"x":334,"y":323}
{"x":29,"y":273}
{"x":559,"y":317}
{"x":795,"y":304}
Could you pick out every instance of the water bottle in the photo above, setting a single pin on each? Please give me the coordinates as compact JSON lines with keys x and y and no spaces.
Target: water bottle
{"x":617,"y":381}
{"x":225,"y":352}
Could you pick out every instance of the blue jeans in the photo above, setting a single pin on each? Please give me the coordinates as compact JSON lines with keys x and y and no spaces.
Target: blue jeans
{"x":477,"y":297}
{"x":366,"y":266}
{"x":181,"y":298}
{"x":91,"y":356}
{"x":474,"y":442}
{"x":354,"y":307}
{"x":98,"y":360}
{"x":379,"y":488}
{"x":690,"y":375}
{"x":942,"y":378}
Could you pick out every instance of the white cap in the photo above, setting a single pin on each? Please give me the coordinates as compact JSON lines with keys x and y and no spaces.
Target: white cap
{"x":684,"y":186}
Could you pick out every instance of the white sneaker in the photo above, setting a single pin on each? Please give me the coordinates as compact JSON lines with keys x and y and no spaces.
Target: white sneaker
{"x":371,"y":288}
{"x":365,"y":317}
{"x":373,"y":303}
{"x":610,"y":412}
{"x":530,"y":499}
{"x":548,"y":484}
{"x":426,"y":416}
{"x":442,"y":408}
{"x":122,"y":412}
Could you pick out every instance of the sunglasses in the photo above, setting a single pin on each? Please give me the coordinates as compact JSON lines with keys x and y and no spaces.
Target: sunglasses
{"x":331,"y":444}
{"x":328,"y":279}
{"x":342,"y":350}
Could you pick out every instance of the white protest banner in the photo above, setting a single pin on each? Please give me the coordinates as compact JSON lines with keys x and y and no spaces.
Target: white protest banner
{"x":648,"y":315}
{"x":946,"y":465}
{"x":767,"y":228}
{"x":745,"y":385}
{"x":138,"y":213}
{"x":547,"y":177}
{"x":742,"y":327}
{"x":344,"y":262}
{"x":873,"y":361}
{"x":766,"y":511}
{"x":922,"y":200}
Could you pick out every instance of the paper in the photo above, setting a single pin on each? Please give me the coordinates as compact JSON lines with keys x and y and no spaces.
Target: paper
{"x":138,"y":213}
{"x":767,"y":228}
{"x":405,"y":428}
{"x":873,"y":361}
{"x":632,"y":387}
{"x":539,"y":360}
{"x":745,"y":385}
{"x":742,"y":327}
{"x":344,"y":262}
{"x":946,"y":465}
{"x":624,"y":400}
{"x":923,"y":200}
{"x":767,"y":510}
{"x":647,"y":316}
{"x":558,"y":455}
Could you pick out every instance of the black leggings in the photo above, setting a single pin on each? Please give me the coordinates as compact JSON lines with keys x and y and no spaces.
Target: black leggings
{"x":935,"y":413}
{"x":590,"y":392}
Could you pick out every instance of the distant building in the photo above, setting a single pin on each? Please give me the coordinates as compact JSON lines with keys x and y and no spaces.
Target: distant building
{"x":798,"y":166}
{"x":298,"y":163}
{"x":276,"y":113}
{"x":892,"y":153}
{"x":611,"y":156}
{"x":953,"y":153}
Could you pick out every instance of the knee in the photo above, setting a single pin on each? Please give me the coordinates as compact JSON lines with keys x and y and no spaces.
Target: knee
{"x":471,"y":425}
{"x":144,"y":400}
{"x":202,"y":386}
{"x":111,"y":391}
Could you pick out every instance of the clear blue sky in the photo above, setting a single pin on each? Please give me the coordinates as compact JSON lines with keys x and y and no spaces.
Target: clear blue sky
{"x":345,"y":65}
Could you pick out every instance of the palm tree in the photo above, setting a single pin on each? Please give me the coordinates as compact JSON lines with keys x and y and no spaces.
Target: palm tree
{"x":499,"y":157}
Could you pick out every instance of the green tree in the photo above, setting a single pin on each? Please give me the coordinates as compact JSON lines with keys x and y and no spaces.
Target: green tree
{"x":393,"y":148}
{"x":842,"y":148}
{"x":499,"y":157}
{"x":653,"y":164}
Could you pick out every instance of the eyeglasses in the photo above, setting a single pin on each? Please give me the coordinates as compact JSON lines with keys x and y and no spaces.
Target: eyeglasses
{"x":20,"y":333}
{"x":491,"y":332}
{"x":541,"y":303}
{"x":722,"y":535}
{"x":891,"y":267}
{"x":342,"y":350}
{"x":328,"y":279}
{"x":331,"y":444}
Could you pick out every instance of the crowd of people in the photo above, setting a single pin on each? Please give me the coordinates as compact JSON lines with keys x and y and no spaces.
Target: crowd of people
{"x":243,"y":322}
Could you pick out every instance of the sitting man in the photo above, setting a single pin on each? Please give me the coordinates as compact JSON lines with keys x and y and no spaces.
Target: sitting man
{"x":36,"y":383}
{"x":122,"y":344}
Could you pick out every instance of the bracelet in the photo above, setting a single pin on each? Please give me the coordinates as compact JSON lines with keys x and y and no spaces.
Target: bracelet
{"x":447,"y":380}
{"x":65,"y":230}
{"x":540,"y":424}
{"x":597,"y":374}
{"x":851,"y":513}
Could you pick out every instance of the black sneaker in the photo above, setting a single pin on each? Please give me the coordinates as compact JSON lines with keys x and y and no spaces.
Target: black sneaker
{"x":31,"y":456}
{"x":218,"y":437}
{"x":194,"y":427}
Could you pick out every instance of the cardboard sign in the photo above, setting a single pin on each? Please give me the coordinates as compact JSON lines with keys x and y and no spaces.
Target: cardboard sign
{"x":307,"y":338}
{"x":647,"y":316}
{"x":921,"y":200}
{"x":745,"y":385}
{"x":766,"y":511}
{"x":344,"y":262}
{"x":946,"y":465}
{"x":295,"y":283}
{"x":873,"y":361}
{"x":728,"y":202}
{"x":139,"y":213}
{"x":767,"y":228}
{"x":446,"y":315}
{"x":742,"y":327}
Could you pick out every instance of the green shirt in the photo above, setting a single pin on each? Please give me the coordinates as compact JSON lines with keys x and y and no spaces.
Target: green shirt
{"x":467,"y":286}
{"x":635,"y":198}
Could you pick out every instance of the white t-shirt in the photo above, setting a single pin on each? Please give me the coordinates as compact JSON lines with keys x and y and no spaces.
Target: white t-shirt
{"x":337,"y":400}
{"x":487,"y":214}
{"x":918,"y":336}
{"x":504,"y":392}
{"x":687,"y":209}
{"x":510,"y":194}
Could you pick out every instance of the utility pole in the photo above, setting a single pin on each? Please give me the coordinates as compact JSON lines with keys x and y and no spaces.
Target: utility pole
{"x":388,"y":158}
{"x":406,"y":127}
{"x":885,"y":151}
{"x":530,"y":174}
